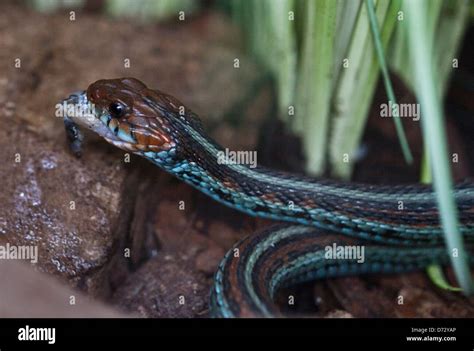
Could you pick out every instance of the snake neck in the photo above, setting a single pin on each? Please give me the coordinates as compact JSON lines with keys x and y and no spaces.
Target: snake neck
{"x":405,"y":214}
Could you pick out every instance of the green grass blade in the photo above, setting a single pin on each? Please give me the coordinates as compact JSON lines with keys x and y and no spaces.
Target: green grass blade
{"x":433,"y":132}
{"x":354,"y":91}
{"x":270,"y":36}
{"x":282,"y":57}
{"x":346,"y":19}
{"x":437,"y":277}
{"x":449,"y":34}
{"x":434,"y":271}
{"x":314,"y":79}
{"x":388,"y":84}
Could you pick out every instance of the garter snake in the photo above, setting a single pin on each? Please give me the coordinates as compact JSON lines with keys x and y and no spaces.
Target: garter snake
{"x":322,"y":213}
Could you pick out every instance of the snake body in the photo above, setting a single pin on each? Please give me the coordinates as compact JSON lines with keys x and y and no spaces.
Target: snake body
{"x":397,"y":225}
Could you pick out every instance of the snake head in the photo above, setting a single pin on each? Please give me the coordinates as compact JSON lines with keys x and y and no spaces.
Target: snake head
{"x":128,"y":118}
{"x":126,"y":114}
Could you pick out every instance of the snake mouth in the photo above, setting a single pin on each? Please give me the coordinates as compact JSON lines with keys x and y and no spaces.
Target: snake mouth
{"x":78,"y":111}
{"x":82,"y":112}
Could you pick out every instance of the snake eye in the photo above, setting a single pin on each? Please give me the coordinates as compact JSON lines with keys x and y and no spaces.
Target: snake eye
{"x":116,"y":109}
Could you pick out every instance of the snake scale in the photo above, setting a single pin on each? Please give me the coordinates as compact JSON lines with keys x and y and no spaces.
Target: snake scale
{"x":321,"y":213}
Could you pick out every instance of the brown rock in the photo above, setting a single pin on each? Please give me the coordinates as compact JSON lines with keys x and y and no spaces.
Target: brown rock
{"x":66,"y":207}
